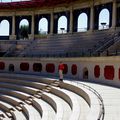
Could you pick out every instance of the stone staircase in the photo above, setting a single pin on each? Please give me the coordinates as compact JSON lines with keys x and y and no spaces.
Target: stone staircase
{"x":109,"y":42}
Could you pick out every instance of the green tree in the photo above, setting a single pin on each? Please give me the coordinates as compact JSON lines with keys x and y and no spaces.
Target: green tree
{"x":24,"y":31}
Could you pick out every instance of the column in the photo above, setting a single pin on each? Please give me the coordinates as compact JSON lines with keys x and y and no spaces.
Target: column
{"x":114,"y":14}
{"x":13,"y":36}
{"x":51,"y":23}
{"x":71,"y":20}
{"x":31,"y":36}
{"x":92,"y":17}
{"x":32,"y":27}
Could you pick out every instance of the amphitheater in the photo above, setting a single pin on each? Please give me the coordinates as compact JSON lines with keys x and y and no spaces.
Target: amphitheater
{"x":41,"y":34}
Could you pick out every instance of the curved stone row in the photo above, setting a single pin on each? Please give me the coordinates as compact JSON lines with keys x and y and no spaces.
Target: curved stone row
{"x":45,"y":99}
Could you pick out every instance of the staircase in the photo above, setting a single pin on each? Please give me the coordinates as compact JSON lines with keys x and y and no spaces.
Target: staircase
{"x":67,"y":45}
{"x":10,"y":50}
{"x":18,"y":49}
{"x":105,"y":44}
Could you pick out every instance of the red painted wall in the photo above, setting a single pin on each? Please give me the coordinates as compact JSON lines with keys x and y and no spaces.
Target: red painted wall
{"x":65,"y":71}
{"x":109,"y":72}
{"x":50,"y":68}
{"x":2,"y":65}
{"x":24,"y":66}
{"x":74,"y":69}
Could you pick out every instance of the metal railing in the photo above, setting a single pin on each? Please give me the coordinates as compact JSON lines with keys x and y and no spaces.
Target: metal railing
{"x":10,"y":50}
{"x":110,"y":40}
{"x":24,"y":51}
{"x":102,"y":110}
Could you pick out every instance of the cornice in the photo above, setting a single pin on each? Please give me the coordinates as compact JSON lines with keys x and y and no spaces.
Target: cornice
{"x":78,"y":4}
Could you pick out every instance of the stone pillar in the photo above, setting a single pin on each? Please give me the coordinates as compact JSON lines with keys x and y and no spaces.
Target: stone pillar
{"x":114,"y":14}
{"x":71,"y":20}
{"x":33,"y":22}
{"x":92,"y":17}
{"x":31,"y":36}
{"x":13,"y":36}
{"x":51,"y":23}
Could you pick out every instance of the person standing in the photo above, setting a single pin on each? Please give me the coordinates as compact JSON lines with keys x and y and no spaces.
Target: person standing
{"x":60,"y":69}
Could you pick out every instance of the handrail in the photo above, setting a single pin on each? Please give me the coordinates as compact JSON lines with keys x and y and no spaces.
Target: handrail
{"x":10,"y":50}
{"x":23,"y":51}
{"x":27,"y":48}
{"x":113,"y":52}
{"x":102,"y":112}
{"x":106,"y":44}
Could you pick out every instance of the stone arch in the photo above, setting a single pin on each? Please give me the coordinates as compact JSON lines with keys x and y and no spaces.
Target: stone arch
{"x":62,"y":26}
{"x":24,"y":24}
{"x":104,"y":19}
{"x":42,"y":17}
{"x":85,"y":73}
{"x":98,"y":9}
{"x":77,"y":13}
{"x":11,"y":68}
{"x":82,"y":23}
{"x":43,"y":26}
{"x":18,"y":20}
{"x":4,"y":28}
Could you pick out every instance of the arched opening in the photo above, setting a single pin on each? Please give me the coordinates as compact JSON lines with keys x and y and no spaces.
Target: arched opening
{"x":104,"y":19}
{"x":62,"y":25}
{"x":43,"y":26}
{"x":11,"y":68}
{"x":24,"y":29}
{"x":4,"y":28}
{"x":37,"y":67}
{"x":85,"y":73}
{"x":82,"y":23}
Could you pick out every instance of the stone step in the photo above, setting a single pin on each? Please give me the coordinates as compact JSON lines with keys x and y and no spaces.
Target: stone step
{"x":63,"y":109}
{"x":47,"y":112}
{"x":28,"y":102}
{"x":37,"y":96}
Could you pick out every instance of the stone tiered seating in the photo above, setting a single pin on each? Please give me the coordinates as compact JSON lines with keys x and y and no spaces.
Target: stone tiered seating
{"x":7,"y":109}
{"x":95,"y":104}
{"x":20,"y":47}
{"x":45,"y":109}
{"x":11,"y":101}
{"x":45,"y":99}
{"x":66,"y":43}
{"x":110,"y":95}
{"x":14,"y":47}
{"x":76,"y":44}
{"x":11,"y":113}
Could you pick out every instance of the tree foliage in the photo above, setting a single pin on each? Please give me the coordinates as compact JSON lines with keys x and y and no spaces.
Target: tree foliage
{"x":24,"y":31}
